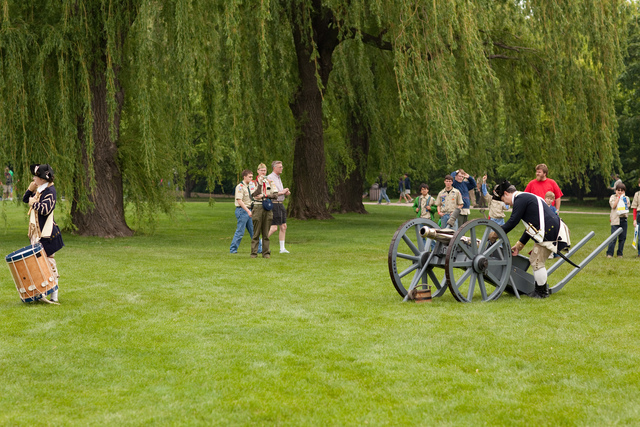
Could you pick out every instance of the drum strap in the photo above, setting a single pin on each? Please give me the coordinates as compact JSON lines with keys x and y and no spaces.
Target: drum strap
{"x":34,"y":229}
{"x":34,"y":232}
{"x":48,"y":227}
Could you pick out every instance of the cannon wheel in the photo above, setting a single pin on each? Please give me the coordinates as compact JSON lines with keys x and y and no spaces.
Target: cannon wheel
{"x":469,"y":267}
{"x":409,"y":253}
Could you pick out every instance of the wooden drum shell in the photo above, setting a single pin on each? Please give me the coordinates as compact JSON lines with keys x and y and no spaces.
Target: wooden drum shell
{"x":31,"y":273}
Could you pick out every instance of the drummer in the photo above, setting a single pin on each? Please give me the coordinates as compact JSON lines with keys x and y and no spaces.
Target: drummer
{"x":41,"y":197}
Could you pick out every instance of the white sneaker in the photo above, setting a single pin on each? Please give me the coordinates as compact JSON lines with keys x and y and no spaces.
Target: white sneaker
{"x":284,"y":251}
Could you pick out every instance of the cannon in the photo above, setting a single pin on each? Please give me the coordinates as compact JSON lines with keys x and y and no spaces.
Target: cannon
{"x":466,"y":262}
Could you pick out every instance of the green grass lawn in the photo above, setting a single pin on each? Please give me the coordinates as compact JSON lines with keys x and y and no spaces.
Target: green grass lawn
{"x":171,"y":329}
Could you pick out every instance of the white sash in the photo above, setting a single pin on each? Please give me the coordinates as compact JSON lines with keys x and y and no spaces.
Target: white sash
{"x":538,"y":235}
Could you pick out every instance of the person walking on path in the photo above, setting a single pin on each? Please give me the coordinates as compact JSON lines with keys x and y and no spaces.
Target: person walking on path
{"x":541,"y":185}
{"x":404,"y":188}
{"x":382,"y":182}
{"x":279,"y":212}
{"x":407,"y":188}
{"x":401,"y":190}
{"x":243,"y":210}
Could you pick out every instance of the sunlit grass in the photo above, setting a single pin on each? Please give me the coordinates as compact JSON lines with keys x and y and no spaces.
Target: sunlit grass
{"x":171,"y":329}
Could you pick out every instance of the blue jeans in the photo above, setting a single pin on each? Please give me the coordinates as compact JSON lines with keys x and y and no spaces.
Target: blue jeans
{"x":499,"y":221}
{"x":383,"y":193}
{"x":444,"y":219}
{"x":621,"y":238}
{"x":244,"y":222}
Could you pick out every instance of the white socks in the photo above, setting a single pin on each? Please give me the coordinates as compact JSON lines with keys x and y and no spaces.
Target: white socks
{"x":540,"y":276}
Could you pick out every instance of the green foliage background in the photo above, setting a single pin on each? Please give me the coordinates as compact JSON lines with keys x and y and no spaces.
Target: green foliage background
{"x":492,"y":87}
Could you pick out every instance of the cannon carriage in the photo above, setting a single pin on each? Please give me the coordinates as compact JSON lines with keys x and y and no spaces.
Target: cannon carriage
{"x":466,"y":261}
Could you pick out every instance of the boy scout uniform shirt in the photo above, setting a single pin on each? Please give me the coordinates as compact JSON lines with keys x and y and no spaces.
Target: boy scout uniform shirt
{"x":636,"y":201}
{"x":613,"y":215}
{"x":424,"y":206}
{"x":449,"y":200}
{"x":273,"y":191}
{"x":496,"y":208}
{"x":242,"y":193}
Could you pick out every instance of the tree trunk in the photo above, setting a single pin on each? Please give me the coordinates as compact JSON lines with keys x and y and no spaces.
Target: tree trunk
{"x":309,"y":192}
{"x":189,"y":183}
{"x":105,"y":218}
{"x":347,"y":196}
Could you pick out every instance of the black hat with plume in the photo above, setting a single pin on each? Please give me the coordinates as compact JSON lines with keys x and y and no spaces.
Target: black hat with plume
{"x":42,"y":171}
{"x":499,"y":190}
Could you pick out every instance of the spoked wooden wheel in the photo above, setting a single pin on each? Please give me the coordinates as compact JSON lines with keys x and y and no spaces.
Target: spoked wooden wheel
{"x":477,"y":270}
{"x":408,"y":256}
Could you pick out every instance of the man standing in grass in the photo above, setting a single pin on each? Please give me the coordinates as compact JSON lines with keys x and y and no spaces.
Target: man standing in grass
{"x":243,"y":210}
{"x":262,"y":216}
{"x":541,"y":185}
{"x":279,"y":212}
{"x":464,"y":183}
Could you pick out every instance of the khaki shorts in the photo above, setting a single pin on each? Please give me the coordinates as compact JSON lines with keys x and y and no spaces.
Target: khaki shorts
{"x":538,"y":256}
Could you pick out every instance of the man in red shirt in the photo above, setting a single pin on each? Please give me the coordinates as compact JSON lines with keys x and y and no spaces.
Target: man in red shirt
{"x":542,"y":184}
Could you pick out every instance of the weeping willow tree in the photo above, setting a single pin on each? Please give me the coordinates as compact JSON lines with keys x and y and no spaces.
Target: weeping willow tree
{"x":118,"y":95}
{"x":488,"y":86}
{"x":499,"y":85}
{"x":114,"y":93}
{"x":67,"y":68}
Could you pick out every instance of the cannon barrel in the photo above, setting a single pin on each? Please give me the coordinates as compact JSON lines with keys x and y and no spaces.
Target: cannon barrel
{"x":443,"y":236}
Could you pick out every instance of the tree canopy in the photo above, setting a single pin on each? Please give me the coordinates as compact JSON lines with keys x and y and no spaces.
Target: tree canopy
{"x":121,"y":95}
{"x":628,"y":106}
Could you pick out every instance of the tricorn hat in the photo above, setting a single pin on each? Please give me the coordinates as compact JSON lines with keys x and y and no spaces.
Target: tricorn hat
{"x":498,"y":190}
{"x":42,"y":171}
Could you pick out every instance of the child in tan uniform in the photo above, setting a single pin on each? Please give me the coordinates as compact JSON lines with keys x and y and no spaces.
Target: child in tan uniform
{"x":424,"y":206}
{"x":496,"y":207}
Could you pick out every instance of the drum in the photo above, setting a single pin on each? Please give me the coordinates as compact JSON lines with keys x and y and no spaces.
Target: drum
{"x":31,"y":272}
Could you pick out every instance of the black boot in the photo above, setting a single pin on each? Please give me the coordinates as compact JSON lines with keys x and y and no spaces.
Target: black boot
{"x":541,"y":291}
